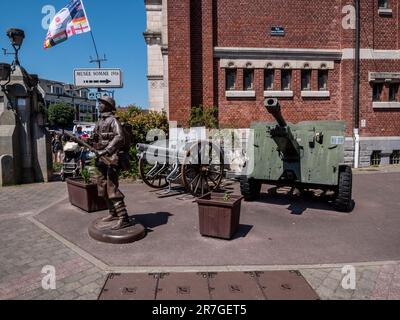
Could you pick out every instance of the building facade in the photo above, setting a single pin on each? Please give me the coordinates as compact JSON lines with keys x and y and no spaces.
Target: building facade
{"x":55,"y":92}
{"x":232,"y":54}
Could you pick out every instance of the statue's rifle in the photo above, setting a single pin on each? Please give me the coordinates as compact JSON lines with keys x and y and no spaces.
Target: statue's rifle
{"x":82,"y":143}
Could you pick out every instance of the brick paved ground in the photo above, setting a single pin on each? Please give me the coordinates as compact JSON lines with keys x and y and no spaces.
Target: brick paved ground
{"x":25,"y":249}
{"x":373,"y":282}
{"x":30,"y":198}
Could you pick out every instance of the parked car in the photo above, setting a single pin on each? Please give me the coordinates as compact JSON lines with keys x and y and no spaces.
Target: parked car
{"x":84,"y":130}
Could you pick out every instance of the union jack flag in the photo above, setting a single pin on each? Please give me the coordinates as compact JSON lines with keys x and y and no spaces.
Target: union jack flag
{"x":69,"y":21}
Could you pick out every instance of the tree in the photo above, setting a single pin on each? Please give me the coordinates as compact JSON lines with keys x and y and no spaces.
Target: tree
{"x":61,"y":115}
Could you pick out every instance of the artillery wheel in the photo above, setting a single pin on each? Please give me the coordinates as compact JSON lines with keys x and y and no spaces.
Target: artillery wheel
{"x":250,"y":189}
{"x":203,"y":169}
{"x":154,"y":175}
{"x":344,"y":202}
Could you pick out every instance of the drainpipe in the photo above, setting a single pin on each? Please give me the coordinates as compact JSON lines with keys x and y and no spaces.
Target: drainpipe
{"x":356,"y":148}
{"x":356,"y":134}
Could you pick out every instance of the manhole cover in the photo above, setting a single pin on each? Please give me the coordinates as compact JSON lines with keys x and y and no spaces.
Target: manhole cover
{"x":285,"y":285}
{"x":183,"y":286}
{"x":129,"y":287}
{"x":234,"y":286}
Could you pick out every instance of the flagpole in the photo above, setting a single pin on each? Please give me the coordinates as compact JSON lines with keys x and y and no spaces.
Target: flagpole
{"x":97,"y":52}
{"x":98,"y":60}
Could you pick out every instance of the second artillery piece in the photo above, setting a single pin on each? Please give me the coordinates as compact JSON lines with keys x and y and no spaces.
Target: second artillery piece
{"x":197,"y":165}
{"x":307,"y":155}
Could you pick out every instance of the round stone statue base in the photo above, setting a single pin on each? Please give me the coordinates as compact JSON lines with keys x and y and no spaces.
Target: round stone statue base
{"x":102,"y":231}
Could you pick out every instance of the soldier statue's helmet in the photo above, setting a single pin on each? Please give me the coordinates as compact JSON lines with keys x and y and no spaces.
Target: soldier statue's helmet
{"x":109,"y":102}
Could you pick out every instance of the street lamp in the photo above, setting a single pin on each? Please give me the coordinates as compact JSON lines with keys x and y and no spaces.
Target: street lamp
{"x":16,"y":37}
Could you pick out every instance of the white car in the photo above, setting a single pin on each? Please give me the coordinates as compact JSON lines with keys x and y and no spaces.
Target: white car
{"x":87,"y":129}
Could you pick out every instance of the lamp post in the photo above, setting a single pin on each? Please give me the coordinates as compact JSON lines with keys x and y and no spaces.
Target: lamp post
{"x":16,"y":37}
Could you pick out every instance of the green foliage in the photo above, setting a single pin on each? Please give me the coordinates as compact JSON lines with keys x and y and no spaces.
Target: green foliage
{"x":133,"y":172}
{"x":142,"y":122}
{"x":85,"y":175}
{"x":128,"y":112}
{"x":202,"y":116}
{"x":57,"y":167}
{"x":61,"y":115}
{"x":227,"y":197}
{"x":92,"y":168}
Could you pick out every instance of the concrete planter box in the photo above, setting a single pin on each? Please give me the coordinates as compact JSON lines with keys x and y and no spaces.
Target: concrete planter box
{"x":219,"y":218}
{"x":85,"y":196}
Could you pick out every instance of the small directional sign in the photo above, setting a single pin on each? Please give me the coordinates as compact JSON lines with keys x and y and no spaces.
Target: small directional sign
{"x":98,"y":78}
{"x":98,"y":95}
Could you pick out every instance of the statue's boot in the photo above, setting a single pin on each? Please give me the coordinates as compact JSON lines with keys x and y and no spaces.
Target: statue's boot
{"x":123,"y":219}
{"x":112,"y":216}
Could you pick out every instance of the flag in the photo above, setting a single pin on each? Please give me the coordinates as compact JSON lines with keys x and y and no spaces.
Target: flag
{"x":69,"y":21}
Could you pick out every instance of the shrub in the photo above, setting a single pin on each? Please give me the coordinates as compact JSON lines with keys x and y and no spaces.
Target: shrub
{"x":202,"y":116}
{"x":142,"y":122}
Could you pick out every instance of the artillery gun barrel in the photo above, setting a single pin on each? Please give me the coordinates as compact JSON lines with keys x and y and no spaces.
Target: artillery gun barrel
{"x":282,"y":134}
{"x":274,"y":108}
{"x":161,"y":153}
{"x":152,"y":148}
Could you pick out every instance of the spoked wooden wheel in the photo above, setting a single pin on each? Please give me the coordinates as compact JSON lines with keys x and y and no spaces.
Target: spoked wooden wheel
{"x":154,"y":175}
{"x":203,"y":169}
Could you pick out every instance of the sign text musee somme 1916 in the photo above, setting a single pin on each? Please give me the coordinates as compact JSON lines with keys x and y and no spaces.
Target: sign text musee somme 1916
{"x":98,"y":78}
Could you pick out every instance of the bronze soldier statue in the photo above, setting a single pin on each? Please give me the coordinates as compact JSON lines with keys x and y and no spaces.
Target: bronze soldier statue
{"x":109,"y":141}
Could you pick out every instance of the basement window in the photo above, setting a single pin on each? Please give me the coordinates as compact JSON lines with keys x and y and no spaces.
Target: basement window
{"x":248,"y":79}
{"x":376,"y":158}
{"x":395,"y":157}
{"x":384,"y":8}
{"x":230,"y":79}
{"x":383,"y":4}
{"x":377,"y":92}
{"x":269,"y":79}
{"x":323,"y":80}
{"x":286,"y":80}
{"x":393,"y":91}
{"x":305,"y":80}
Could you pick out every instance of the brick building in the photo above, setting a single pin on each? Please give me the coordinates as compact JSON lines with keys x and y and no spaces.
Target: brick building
{"x":233,"y":53}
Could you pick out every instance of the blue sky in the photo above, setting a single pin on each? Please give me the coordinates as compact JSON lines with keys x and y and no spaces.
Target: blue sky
{"x":117,"y":25}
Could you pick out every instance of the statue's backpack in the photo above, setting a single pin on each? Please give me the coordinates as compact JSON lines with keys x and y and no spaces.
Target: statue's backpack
{"x":124,"y":155}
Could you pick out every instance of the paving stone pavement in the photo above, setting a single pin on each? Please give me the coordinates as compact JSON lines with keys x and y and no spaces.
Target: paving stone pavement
{"x":30,"y":198}
{"x":380,"y":282}
{"x":25,"y":249}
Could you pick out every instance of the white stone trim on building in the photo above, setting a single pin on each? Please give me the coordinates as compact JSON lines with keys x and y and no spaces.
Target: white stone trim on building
{"x":386,"y":105}
{"x":371,"y":54}
{"x":277,"y":53}
{"x":315,"y":94}
{"x":276,"y":64}
{"x":240,"y":94}
{"x":278,"y":94}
